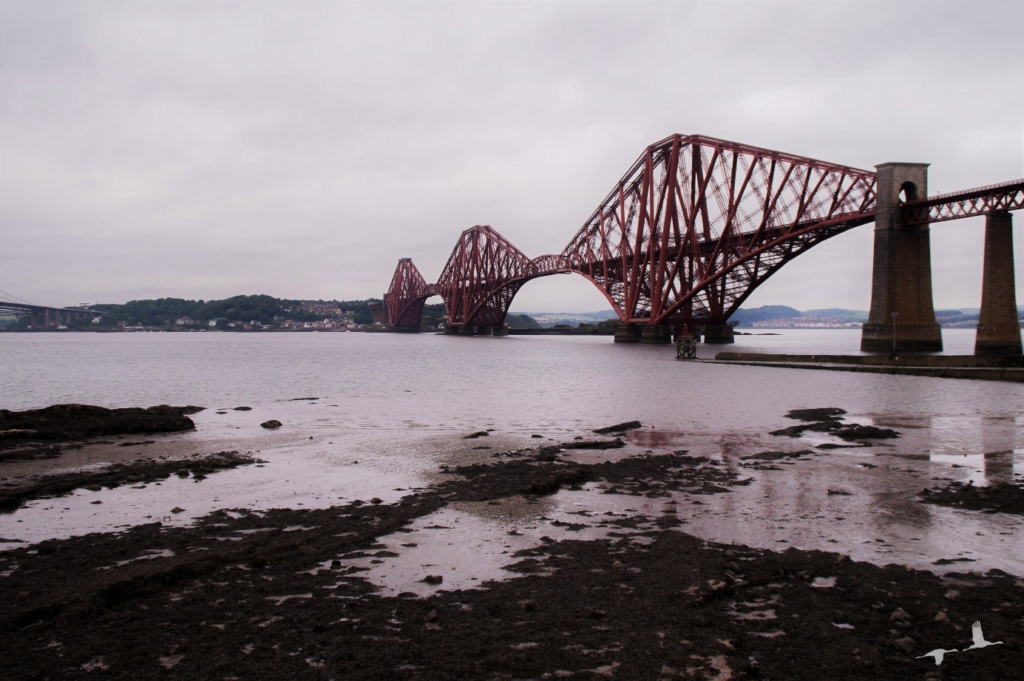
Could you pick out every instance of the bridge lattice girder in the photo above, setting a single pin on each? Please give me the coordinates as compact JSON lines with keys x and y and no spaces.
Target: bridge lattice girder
{"x":688,"y":233}
{"x":407,"y":294}
{"x":993,"y":198}
{"x":482,"y":275}
{"x":697,"y":223}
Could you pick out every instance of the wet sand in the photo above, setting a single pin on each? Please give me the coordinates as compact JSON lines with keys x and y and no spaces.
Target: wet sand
{"x":605,"y":575}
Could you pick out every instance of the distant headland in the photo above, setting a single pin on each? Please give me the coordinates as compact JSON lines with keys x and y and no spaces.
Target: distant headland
{"x":266,"y":313}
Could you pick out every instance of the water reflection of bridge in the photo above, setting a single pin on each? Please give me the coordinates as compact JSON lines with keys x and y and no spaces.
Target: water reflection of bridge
{"x":697,"y":224}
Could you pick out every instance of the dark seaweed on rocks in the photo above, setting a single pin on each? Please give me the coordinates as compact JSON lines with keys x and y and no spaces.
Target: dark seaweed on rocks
{"x":828,"y":420}
{"x":66,"y":422}
{"x":619,"y":428}
{"x":775,"y":456}
{"x":115,"y":475}
{"x":1000,"y":498}
{"x":818,"y":414}
{"x":858,"y":432}
{"x":594,"y":444}
{"x":647,"y":475}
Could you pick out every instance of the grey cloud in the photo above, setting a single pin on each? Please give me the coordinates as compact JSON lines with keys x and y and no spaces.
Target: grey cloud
{"x":299,"y":149}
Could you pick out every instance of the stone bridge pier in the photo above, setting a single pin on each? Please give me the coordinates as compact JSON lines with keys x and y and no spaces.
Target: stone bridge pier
{"x":902,"y":316}
{"x":998,"y":323}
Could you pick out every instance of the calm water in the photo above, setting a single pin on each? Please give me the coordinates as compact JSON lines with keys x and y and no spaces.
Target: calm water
{"x":393,"y":408}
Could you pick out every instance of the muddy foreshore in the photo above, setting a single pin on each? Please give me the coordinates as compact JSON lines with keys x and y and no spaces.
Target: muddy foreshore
{"x":266,"y":595}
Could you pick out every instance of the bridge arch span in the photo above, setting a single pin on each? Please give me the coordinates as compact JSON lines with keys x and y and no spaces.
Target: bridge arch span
{"x":694,"y":226}
{"x":407,"y":295}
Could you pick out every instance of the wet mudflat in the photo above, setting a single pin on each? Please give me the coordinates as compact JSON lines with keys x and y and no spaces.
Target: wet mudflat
{"x":377,"y":541}
{"x":15,"y":492}
{"x":284,"y":593}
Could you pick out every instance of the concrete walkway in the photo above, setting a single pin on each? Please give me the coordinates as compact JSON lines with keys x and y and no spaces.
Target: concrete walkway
{"x":1009,"y":369}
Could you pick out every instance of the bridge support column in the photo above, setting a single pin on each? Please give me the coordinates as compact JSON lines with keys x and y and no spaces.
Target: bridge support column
{"x":628,"y":333}
{"x":719,"y":334}
{"x":998,"y":324}
{"x":467,"y":330}
{"x":902,"y":317}
{"x":406,"y":329}
{"x":656,"y":334}
{"x":451,"y":330}
{"x":499,"y":330}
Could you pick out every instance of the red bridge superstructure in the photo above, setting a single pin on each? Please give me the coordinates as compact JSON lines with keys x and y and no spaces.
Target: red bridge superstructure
{"x":690,"y":231}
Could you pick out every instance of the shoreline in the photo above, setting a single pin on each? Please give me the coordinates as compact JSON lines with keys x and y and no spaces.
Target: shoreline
{"x":285,"y":593}
{"x":1007,"y":368}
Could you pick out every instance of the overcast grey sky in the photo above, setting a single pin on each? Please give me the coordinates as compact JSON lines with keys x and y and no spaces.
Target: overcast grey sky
{"x":299,"y":149}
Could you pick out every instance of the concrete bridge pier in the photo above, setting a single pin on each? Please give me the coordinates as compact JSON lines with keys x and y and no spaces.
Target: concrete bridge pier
{"x":41,"y":320}
{"x":467,"y":330}
{"x":719,"y":334}
{"x":628,"y":333}
{"x":656,"y":334}
{"x":499,"y":330}
{"x":902,"y":317}
{"x":998,"y":325}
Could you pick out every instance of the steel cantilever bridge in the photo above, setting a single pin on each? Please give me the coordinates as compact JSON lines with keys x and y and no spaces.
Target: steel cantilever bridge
{"x":690,"y":231}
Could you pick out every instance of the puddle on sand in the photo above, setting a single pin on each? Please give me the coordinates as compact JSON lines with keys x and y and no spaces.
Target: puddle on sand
{"x":303,"y":476}
{"x":468,"y":544}
{"x":875,"y":518}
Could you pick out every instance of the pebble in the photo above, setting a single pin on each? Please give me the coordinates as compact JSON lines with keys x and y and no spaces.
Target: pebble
{"x":618,"y":564}
{"x":899,"y":615}
{"x":596,"y":614}
{"x":177,"y":509}
{"x":906,"y":646}
{"x":432,"y":616}
{"x":433,"y":579}
{"x":941,"y":616}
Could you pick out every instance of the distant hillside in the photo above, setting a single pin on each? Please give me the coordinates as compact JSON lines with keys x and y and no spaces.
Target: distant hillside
{"x":247,"y":310}
{"x":521,"y":321}
{"x":861,"y":315}
{"x":746,"y":317}
{"x":781,"y":316}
